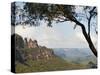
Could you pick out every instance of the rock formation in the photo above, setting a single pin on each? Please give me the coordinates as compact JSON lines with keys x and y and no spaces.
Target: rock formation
{"x":41,"y":53}
{"x":25,"y":42}
{"x":26,"y":50}
{"x":19,"y":42}
{"x":31,"y":43}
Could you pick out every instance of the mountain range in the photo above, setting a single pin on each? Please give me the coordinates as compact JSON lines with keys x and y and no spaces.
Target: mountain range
{"x":76,"y":55}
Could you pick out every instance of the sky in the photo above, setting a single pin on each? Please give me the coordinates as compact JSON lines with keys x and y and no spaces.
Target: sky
{"x":61,"y":35}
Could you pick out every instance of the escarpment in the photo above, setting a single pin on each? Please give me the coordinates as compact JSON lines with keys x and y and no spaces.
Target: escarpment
{"x":29,"y":49}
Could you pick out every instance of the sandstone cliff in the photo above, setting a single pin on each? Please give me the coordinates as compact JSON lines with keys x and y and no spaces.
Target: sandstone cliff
{"x":26,"y":50}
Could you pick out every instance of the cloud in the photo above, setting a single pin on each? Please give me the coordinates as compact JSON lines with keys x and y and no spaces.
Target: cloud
{"x":56,"y":37}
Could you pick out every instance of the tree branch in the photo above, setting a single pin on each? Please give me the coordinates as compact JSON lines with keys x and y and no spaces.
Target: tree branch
{"x":88,"y":39}
{"x":89,"y":19}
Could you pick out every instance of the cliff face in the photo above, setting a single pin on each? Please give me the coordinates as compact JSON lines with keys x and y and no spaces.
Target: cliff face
{"x":26,"y":50}
{"x":19,"y":42}
{"x":37,"y":53}
{"x":31,"y":43}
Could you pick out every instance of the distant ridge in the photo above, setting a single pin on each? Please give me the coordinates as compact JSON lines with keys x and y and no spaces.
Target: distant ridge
{"x":79,"y":55}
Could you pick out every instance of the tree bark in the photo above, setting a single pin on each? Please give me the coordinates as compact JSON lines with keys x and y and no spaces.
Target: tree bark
{"x":88,"y":38}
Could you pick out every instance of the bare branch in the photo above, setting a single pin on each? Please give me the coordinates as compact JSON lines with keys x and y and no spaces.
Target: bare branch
{"x":89,"y":19}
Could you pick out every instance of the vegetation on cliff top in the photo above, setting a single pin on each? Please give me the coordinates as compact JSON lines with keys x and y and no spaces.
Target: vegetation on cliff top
{"x":53,"y":64}
{"x":40,"y":59}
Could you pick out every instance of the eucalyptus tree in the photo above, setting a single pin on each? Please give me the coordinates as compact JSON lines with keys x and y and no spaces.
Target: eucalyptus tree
{"x":32,"y":13}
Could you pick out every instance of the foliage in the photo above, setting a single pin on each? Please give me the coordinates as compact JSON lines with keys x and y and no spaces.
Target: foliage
{"x":19,"y":42}
{"x":32,"y":13}
{"x":53,"y":64}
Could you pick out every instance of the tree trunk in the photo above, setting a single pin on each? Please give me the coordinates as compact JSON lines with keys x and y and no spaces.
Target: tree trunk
{"x":88,"y":38}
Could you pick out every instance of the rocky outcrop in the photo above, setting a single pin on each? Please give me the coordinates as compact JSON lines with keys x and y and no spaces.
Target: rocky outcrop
{"x":19,"y":42}
{"x":41,"y":53}
{"x":26,"y":50}
{"x":37,"y":52}
{"x":31,"y":43}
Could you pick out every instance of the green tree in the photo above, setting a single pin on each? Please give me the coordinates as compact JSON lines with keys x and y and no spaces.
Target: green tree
{"x":32,"y":13}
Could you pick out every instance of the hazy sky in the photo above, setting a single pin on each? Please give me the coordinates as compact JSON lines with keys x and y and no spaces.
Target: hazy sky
{"x":61,"y":35}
